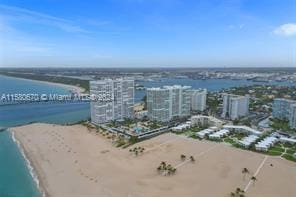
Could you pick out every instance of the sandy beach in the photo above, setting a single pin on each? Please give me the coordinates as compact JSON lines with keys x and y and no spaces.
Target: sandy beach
{"x":71,"y":161}
{"x":72,"y":88}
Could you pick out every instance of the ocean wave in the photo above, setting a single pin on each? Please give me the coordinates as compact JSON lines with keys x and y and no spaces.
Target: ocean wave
{"x":30,"y":167}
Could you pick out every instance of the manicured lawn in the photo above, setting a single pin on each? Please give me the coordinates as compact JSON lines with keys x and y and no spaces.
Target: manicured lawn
{"x":239,"y":136}
{"x":190,"y":132}
{"x":215,"y":140}
{"x":291,"y":151}
{"x":195,"y":137}
{"x":277,"y":149}
{"x":273,"y":153}
{"x":288,"y":145}
{"x":229,"y":140}
{"x":289,"y":157}
{"x":291,"y":148}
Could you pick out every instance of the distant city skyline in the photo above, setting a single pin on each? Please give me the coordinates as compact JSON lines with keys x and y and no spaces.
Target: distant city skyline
{"x":148,"y":33}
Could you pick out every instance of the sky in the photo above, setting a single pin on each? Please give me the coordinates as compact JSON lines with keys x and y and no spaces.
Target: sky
{"x":148,"y":33}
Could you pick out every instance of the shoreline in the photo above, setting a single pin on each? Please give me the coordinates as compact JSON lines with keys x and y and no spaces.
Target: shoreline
{"x":33,"y":170}
{"x":71,"y":88}
{"x":65,"y":163}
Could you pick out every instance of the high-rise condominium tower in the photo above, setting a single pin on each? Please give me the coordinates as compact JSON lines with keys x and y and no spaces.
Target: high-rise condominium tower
{"x":281,"y":108}
{"x":199,"y":100}
{"x":235,"y":106}
{"x":166,"y":103}
{"x":292,"y":116}
{"x":115,"y":100}
{"x":285,"y":109}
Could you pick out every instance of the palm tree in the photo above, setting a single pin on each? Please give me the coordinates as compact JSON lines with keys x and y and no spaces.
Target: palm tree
{"x":192,"y":159}
{"x":232,"y":194}
{"x":163,"y":163}
{"x":159,"y":168}
{"x":174,"y":170}
{"x":254,"y":179}
{"x":165,"y":168}
{"x":245,"y":171}
{"x":183,"y":157}
{"x":238,"y":190}
{"x":171,"y":170}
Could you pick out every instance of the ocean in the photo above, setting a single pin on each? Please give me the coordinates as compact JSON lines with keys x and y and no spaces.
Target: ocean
{"x":15,"y":176}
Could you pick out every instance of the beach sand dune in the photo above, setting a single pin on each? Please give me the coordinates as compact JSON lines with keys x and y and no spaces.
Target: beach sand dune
{"x":71,"y":161}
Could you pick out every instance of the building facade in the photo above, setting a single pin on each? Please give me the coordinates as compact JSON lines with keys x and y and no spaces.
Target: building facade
{"x":164,"y":104}
{"x":281,"y":108}
{"x":115,"y":100}
{"x":235,"y":106}
{"x":158,"y":104}
{"x":206,"y":121}
{"x":292,"y":116}
{"x":199,"y":100}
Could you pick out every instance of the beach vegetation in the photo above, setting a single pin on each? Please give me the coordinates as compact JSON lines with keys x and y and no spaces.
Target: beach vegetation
{"x":133,"y":139}
{"x":254,"y":179}
{"x":238,"y":193}
{"x":183,"y":157}
{"x":166,"y":169}
{"x":245,"y":171}
{"x":137,"y":150}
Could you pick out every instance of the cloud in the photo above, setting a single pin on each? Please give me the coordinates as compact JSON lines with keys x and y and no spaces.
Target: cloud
{"x":239,"y":26}
{"x":288,"y":29}
{"x":20,"y":14}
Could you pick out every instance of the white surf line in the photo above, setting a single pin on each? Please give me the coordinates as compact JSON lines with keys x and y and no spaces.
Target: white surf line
{"x":256,"y":173}
{"x":198,"y":155}
{"x":163,"y":143}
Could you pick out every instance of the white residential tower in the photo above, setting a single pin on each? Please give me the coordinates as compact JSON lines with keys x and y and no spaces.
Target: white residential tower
{"x":115,"y":100}
{"x":235,"y":106}
{"x":164,"y":104}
